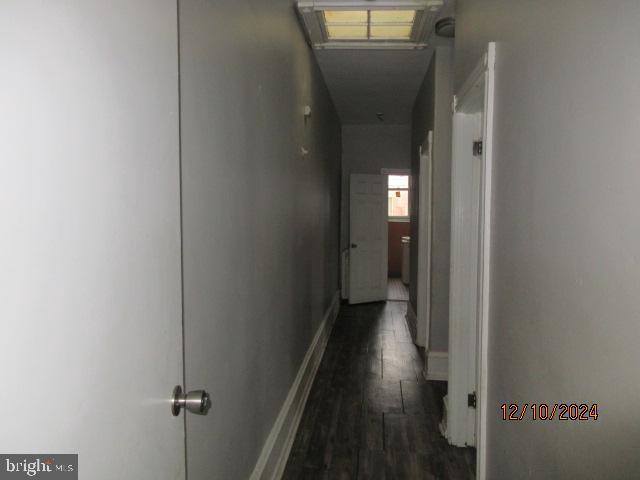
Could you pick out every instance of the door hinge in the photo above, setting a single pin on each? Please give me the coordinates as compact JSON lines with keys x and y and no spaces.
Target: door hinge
{"x":477,"y":148}
{"x":471,"y":400}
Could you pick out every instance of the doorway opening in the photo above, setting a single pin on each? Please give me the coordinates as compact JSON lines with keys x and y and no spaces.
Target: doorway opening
{"x":399,"y":240}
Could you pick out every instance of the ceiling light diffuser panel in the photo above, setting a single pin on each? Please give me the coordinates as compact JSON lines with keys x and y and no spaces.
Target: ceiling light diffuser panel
{"x":368,"y":24}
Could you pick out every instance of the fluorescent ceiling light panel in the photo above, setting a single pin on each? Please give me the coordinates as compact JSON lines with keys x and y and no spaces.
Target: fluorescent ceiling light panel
{"x":365,"y":24}
{"x":393,"y":16}
{"x":392,"y":32}
{"x":346,"y":24}
{"x":351,"y":17}
{"x":391,"y":24}
{"x":347,"y":32}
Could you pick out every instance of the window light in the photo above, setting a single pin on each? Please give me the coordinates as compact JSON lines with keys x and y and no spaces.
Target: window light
{"x":398,"y":181}
{"x":398,"y":196}
{"x":361,"y":24}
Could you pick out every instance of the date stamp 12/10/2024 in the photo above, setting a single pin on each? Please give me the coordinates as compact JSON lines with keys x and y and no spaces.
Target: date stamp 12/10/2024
{"x":549,"y":411}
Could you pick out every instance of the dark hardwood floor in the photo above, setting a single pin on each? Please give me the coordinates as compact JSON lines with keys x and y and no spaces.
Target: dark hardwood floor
{"x":370,"y":413}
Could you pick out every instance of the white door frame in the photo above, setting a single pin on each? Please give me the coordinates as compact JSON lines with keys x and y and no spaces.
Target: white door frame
{"x":468,"y":337}
{"x":403,"y":172}
{"x":423,"y":287}
{"x":486,"y":193}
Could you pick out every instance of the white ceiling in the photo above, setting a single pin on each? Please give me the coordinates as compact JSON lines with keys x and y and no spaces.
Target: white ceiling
{"x":365,"y":82}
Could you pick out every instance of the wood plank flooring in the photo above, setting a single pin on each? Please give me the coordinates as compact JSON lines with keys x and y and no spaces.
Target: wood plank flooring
{"x":370,"y":414}
{"x":396,"y":290}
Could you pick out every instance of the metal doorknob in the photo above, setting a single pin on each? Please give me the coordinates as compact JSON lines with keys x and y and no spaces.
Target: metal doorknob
{"x":195,"y":401}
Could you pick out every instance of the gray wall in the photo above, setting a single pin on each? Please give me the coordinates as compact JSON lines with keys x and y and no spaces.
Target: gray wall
{"x":432,"y":111}
{"x":565,"y":275}
{"x":368,"y":149}
{"x":261,"y":221}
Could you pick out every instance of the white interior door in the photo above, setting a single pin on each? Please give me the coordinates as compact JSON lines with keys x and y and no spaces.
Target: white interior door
{"x":368,"y":232}
{"x":470,"y":258}
{"x":463,"y":297}
{"x":90,"y":301}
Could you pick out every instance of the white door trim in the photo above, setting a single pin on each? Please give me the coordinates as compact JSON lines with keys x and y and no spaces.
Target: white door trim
{"x":485,"y":263}
{"x":468,"y":342}
{"x":423,"y":287}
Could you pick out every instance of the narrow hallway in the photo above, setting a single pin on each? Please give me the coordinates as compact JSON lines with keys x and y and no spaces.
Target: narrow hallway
{"x":370,"y":413}
{"x":396,"y":290}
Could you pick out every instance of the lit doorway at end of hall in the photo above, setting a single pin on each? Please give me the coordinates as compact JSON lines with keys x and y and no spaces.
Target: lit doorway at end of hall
{"x":399,"y":240}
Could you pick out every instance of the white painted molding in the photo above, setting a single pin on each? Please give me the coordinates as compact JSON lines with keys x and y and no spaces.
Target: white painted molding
{"x":484,"y":279}
{"x":437,"y":367}
{"x":470,"y":260}
{"x":412,"y":321}
{"x":425,"y":226}
{"x":276,"y":449}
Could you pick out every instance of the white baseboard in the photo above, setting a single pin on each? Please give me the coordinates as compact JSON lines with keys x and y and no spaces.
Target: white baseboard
{"x":442,"y":426}
{"x":437,"y":366}
{"x":412,"y":322}
{"x":275,"y":452}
